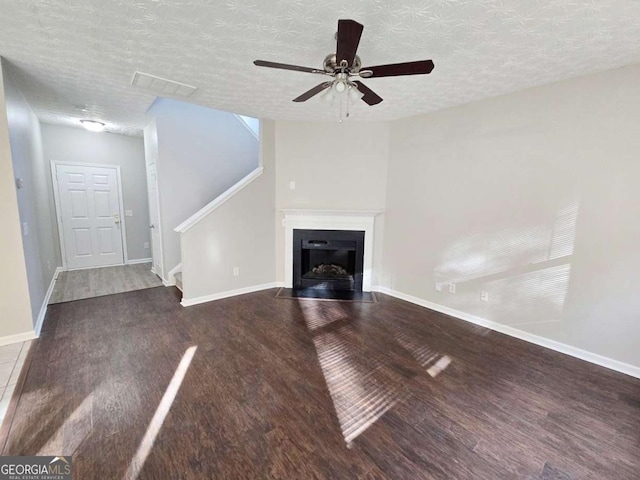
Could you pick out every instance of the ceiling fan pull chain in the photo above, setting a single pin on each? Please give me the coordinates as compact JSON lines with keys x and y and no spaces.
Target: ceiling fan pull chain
{"x":347,"y":100}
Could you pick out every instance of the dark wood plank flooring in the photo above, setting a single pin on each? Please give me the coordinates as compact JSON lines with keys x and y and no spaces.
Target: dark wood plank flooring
{"x":297,"y":390}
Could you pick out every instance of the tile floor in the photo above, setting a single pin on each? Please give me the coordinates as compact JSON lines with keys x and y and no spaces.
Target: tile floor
{"x":11,"y":361}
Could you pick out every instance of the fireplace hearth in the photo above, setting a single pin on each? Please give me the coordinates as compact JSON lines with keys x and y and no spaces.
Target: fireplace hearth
{"x":328,"y":260}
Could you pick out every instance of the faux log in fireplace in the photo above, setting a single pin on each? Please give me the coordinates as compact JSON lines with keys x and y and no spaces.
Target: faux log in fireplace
{"x":328,"y":259}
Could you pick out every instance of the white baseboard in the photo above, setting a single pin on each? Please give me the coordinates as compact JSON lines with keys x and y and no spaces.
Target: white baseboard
{"x":17,"y":338}
{"x":170,"y":281}
{"x":45,"y":302}
{"x":139,"y":260}
{"x":606,"y":362}
{"x":228,"y":293}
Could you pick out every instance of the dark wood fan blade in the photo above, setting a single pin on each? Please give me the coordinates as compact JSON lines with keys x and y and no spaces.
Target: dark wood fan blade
{"x":285,"y":66}
{"x":370,"y":97}
{"x":349,"y":33}
{"x":396,"y":69}
{"x":314,"y":91}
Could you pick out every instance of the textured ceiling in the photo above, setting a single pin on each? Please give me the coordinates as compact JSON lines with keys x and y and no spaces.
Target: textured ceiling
{"x":75,"y":59}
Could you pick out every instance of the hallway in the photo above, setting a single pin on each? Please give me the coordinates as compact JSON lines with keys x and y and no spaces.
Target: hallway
{"x":96,"y":282}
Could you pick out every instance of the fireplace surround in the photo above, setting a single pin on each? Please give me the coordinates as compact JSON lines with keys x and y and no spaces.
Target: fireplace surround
{"x":329,"y":220}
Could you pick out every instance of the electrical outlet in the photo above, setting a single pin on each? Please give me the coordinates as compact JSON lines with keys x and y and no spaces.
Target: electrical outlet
{"x":292,"y":185}
{"x":484,"y":296}
{"x":452,"y":288}
{"x":438,"y":287}
{"x":25,"y":229}
{"x":236,"y":271}
{"x":146,"y":244}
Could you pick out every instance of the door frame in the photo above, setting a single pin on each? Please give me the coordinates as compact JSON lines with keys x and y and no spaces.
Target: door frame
{"x":56,"y":199}
{"x":159,"y":222}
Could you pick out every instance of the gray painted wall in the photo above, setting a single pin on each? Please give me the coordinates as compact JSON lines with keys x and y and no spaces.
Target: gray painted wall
{"x":532,"y":197}
{"x":335,"y":166}
{"x":15,"y":306}
{"x":70,"y":144}
{"x":39,"y":237}
{"x":240,"y":233}
{"x":201,"y":153}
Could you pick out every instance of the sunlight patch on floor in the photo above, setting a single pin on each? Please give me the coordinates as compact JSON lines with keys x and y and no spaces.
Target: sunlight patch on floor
{"x":135,"y":467}
{"x":359,"y":388}
{"x":72,"y":432}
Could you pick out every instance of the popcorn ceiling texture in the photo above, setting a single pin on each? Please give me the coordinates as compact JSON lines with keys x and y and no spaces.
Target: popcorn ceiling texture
{"x":75,"y":59}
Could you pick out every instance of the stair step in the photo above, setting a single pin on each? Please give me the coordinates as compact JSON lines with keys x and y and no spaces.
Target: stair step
{"x":178,"y":277}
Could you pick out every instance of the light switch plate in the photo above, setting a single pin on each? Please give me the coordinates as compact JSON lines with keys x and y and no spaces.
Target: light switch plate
{"x":128,"y":213}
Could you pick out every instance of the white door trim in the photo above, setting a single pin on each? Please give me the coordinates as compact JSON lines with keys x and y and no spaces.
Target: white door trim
{"x":158,"y":224}
{"x":56,"y":200}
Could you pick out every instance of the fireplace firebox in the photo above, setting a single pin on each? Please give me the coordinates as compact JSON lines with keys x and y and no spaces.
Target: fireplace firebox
{"x":328,"y":259}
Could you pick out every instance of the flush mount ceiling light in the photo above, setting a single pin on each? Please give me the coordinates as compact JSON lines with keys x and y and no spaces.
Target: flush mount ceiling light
{"x":93,"y":125}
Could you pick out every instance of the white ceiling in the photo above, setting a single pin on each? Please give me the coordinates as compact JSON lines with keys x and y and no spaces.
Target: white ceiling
{"x":75,"y":59}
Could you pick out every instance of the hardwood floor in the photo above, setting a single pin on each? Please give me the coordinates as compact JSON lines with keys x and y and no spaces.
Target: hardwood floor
{"x":303,"y":389}
{"x":95,"y":282}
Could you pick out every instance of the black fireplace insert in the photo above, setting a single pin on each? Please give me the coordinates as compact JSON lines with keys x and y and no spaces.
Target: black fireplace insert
{"x":328,"y":259}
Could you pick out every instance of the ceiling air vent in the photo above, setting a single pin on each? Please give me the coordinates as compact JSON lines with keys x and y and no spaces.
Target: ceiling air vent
{"x":161,"y":86}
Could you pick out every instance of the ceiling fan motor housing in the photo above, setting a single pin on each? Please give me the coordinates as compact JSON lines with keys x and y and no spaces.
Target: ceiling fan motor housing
{"x":331,"y":65}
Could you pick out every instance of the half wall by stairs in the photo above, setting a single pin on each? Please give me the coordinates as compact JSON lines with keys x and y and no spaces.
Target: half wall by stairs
{"x":235,"y":233}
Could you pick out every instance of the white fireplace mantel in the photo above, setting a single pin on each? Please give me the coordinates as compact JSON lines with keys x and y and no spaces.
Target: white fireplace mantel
{"x":329,"y":220}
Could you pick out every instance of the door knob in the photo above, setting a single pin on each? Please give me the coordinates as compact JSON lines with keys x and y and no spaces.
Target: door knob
{"x":116,"y":218}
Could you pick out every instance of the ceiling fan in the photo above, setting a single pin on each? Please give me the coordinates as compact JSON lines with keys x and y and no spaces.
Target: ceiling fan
{"x":344,"y":65}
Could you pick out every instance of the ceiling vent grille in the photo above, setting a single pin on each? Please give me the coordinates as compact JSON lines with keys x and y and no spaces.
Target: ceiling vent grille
{"x":161,"y":86}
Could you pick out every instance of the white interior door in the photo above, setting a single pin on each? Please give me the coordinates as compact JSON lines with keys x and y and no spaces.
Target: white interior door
{"x":154,"y":222}
{"x":89,"y":210}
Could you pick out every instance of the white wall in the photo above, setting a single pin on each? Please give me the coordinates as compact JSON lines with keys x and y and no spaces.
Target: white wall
{"x":335,"y":166}
{"x":24,"y":281}
{"x":240,"y":233}
{"x":201,"y":153}
{"x":532,"y":197}
{"x":61,"y":143}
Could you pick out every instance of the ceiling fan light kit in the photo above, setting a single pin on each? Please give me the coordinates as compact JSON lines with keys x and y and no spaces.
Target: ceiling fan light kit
{"x":345,"y":65}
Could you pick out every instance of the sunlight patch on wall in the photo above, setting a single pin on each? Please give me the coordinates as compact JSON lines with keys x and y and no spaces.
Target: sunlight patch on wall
{"x":522,"y":271}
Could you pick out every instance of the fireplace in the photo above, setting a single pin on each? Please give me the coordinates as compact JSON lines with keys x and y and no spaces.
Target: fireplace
{"x":333,"y":222}
{"x":328,"y":259}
